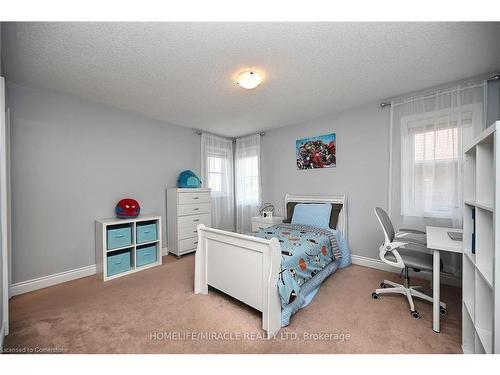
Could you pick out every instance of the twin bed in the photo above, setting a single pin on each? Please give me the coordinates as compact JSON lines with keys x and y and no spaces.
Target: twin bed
{"x":279,"y":269}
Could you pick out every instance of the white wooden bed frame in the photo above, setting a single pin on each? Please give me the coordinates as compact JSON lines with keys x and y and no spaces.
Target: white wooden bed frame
{"x":230,"y":262}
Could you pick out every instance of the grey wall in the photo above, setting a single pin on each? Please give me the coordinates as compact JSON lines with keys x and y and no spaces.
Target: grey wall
{"x":361,"y":172}
{"x":72,"y":160}
{"x":362,"y":166}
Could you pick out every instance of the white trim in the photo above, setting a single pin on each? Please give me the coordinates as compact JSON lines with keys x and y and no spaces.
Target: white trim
{"x":4,"y":217}
{"x":2,"y":336}
{"x":379,"y":265}
{"x":58,"y":278}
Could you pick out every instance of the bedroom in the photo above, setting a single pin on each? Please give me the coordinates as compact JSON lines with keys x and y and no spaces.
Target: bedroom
{"x":293,"y":134}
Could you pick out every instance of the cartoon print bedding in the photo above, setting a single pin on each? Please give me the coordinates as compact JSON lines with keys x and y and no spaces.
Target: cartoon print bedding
{"x":306,"y":251}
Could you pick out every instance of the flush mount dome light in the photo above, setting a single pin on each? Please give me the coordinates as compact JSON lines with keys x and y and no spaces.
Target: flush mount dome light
{"x":249,"y":79}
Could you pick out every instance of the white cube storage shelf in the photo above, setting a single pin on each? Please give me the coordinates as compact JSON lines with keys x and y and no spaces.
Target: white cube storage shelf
{"x":125,"y":246}
{"x":481,"y":257}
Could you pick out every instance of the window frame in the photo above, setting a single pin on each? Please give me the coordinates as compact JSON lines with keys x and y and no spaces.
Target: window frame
{"x":408,"y":207}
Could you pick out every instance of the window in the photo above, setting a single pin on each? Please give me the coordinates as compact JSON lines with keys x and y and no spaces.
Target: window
{"x":430,"y":164}
{"x":215,"y":163}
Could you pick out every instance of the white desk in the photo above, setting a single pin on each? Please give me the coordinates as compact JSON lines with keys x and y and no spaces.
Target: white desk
{"x":437,"y":241}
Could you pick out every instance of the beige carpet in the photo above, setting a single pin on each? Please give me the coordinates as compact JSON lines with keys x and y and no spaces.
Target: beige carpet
{"x":154,"y":311}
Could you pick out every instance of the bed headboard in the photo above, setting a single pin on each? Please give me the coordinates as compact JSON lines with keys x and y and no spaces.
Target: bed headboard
{"x":335,"y":199}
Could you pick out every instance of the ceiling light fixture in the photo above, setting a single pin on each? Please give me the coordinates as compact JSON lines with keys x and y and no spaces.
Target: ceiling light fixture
{"x":249,"y":79}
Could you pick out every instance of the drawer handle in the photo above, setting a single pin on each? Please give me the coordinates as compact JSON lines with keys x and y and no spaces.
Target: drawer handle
{"x":119,"y":235}
{"x":194,"y":231}
{"x":146,"y":231}
{"x":196,"y":219}
{"x":196,"y":197}
{"x":196,"y":209}
{"x":196,"y":242}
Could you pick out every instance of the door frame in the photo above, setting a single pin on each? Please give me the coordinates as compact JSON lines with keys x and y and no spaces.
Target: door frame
{"x":4,"y":225}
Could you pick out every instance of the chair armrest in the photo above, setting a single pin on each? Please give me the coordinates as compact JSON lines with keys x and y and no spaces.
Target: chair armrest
{"x":391,"y":247}
{"x":414,"y":231}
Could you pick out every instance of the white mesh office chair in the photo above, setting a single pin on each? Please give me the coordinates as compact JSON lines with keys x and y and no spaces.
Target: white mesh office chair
{"x":405,"y":249}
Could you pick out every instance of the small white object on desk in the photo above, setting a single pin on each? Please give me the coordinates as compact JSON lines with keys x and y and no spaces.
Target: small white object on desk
{"x":260,"y":222}
{"x":437,"y":241}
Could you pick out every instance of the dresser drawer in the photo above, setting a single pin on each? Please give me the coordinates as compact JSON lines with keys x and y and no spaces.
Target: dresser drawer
{"x":119,"y":236}
{"x":188,"y":244}
{"x":194,"y":220}
{"x":146,"y":255}
{"x":146,"y":232}
{"x":193,"y":209}
{"x":190,"y":198}
{"x":118,"y":262}
{"x":187,"y":232}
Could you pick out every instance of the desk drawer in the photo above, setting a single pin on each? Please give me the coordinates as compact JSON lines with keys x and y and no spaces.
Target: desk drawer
{"x":188,"y":244}
{"x":190,"y":198}
{"x":146,"y":232}
{"x":146,"y":255}
{"x":119,"y":236}
{"x":193,"y":209}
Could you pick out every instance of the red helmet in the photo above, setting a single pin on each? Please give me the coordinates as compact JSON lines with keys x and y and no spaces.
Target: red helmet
{"x":127,"y":208}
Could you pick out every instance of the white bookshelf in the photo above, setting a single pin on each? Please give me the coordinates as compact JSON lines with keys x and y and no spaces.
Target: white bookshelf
{"x":481,"y":258}
{"x":133,"y":248}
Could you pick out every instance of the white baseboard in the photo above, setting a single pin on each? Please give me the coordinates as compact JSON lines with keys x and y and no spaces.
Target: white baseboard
{"x":58,"y":278}
{"x":378,"y":264}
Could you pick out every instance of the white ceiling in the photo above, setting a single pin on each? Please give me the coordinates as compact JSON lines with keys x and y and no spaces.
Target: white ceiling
{"x":181,"y":73}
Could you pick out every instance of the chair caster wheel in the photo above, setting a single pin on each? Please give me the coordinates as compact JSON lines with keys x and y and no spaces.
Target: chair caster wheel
{"x":375,"y":295}
{"x":384,"y":285}
{"x":443,"y":311}
{"x":415,"y":314}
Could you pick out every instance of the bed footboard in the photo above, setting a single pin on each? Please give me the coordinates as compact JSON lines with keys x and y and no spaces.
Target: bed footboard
{"x":244,"y":267}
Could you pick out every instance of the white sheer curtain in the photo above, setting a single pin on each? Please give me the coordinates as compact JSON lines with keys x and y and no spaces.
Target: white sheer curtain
{"x":248,"y":181}
{"x":217,"y":174}
{"x":429,"y":134}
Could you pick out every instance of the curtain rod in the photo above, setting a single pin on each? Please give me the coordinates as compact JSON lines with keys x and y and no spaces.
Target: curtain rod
{"x":493,"y":78}
{"x":200,"y":132}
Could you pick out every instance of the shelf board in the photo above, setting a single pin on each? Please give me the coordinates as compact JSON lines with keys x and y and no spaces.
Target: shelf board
{"x":469,"y":256}
{"x":485,"y":206}
{"x":485,"y":336}
{"x":146,"y":243}
{"x":120,"y":248}
{"x":470,"y":309}
{"x":484,"y":277}
{"x":149,"y":265}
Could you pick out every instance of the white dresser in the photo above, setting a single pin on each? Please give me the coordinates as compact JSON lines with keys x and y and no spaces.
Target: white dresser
{"x":186,"y":208}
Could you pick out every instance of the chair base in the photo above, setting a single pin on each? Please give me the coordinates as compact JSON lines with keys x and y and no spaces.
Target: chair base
{"x":409,"y":292}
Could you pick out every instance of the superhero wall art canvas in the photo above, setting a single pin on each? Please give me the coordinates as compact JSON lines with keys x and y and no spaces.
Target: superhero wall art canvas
{"x":317,"y":152}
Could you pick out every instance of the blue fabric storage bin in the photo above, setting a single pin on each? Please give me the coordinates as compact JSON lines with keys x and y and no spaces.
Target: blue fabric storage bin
{"x":146,"y":232}
{"x":118,"y":262}
{"x":119,"y":236}
{"x":146,"y":255}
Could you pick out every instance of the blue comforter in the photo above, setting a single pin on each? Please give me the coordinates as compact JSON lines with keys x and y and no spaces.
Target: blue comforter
{"x":309,"y":255}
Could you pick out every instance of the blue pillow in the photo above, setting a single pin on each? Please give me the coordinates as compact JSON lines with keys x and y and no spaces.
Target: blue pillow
{"x":313,"y":214}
